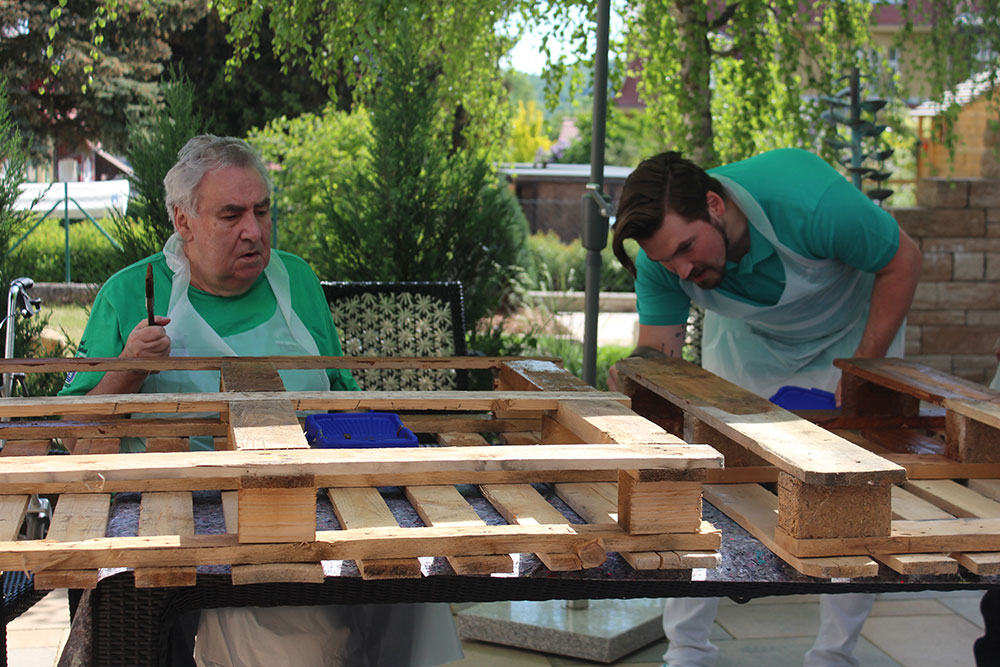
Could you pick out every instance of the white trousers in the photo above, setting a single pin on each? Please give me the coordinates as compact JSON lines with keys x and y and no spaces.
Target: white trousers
{"x":687,"y":623}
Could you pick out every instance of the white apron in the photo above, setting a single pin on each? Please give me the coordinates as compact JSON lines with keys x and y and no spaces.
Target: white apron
{"x":820,"y":317}
{"x":414,"y":635}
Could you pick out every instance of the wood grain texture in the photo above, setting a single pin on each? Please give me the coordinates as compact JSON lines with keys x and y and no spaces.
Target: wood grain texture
{"x":365,"y":508}
{"x":772,"y":433}
{"x":76,"y":517}
{"x":915,"y":379}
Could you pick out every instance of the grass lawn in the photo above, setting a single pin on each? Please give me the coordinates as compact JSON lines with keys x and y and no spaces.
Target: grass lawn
{"x":67,"y":319}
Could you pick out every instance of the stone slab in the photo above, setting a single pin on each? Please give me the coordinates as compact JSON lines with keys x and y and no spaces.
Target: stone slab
{"x":602,"y":632}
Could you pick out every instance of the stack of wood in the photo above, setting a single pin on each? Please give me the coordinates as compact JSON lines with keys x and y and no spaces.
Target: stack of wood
{"x":637,"y":488}
{"x":879,"y":482}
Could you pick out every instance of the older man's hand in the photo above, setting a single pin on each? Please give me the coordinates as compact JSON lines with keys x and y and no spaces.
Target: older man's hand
{"x":147,"y":340}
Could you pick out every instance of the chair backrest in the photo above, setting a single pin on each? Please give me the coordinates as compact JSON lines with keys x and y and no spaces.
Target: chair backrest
{"x":401,"y":319}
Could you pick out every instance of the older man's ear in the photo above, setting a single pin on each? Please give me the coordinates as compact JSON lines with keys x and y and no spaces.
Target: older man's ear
{"x":181,"y":223}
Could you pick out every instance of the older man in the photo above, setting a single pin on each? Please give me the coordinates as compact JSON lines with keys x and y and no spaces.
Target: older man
{"x":220,"y":290}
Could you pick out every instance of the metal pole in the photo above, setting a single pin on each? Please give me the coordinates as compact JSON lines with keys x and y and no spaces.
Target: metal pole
{"x":595,"y":226}
{"x":66,"y":223}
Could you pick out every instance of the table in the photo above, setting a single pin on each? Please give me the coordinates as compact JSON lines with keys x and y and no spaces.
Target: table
{"x":119,"y":624}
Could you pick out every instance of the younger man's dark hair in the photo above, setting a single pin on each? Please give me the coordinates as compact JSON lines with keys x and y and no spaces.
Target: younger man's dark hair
{"x":660,"y":184}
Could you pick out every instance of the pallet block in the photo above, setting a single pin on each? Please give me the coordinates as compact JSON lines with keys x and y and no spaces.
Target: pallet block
{"x":270,"y":478}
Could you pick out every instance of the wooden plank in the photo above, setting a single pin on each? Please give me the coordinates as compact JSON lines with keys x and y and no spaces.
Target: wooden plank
{"x":772,"y":433}
{"x":445,"y":506}
{"x":387,"y":466}
{"x":920,"y":466}
{"x":116,"y":428}
{"x":167,"y":445}
{"x":919,"y":564}
{"x":915,"y":379}
{"x":461,"y":440}
{"x":468,"y":423}
{"x":164,"y":550}
{"x":249,"y":375}
{"x":954,"y":498}
{"x":89,"y":364}
{"x":983,"y":564}
{"x":269,"y":424}
{"x":596,"y":503}
{"x":12,"y":511}
{"x":606,"y":421}
{"x":166,"y":513}
{"x":522,"y":505}
{"x":25,"y":448}
{"x":756,"y":510}
{"x":554,"y":433}
{"x":972,"y":431}
{"x":539,"y":375}
{"x":941,"y":535}
{"x":521,"y":437}
{"x":394,"y":401}
{"x":906,"y":505}
{"x":277,"y":509}
{"x":76,"y":517}
{"x":91,"y":446}
{"x":262,"y":573}
{"x":986,"y":487}
{"x":365,"y":508}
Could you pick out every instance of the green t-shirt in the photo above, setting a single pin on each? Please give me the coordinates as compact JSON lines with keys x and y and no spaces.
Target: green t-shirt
{"x":121,"y":304}
{"x":815,"y":212}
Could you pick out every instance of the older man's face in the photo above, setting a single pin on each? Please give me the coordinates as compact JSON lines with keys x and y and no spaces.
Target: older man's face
{"x":228,"y":240}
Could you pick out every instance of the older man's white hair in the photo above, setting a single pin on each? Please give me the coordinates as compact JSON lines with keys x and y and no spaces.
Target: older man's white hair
{"x":203,"y":154}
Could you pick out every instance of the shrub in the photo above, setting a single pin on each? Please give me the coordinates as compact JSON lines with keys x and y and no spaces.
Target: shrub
{"x":561,"y":266}
{"x":424,"y":205}
{"x":315,"y":155}
{"x":154,"y":141}
{"x":42,"y":255}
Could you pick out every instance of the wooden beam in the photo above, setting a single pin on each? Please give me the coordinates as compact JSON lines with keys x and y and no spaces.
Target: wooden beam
{"x":467,"y":423}
{"x":12,"y":511}
{"x":268,"y":424}
{"x":465,"y":401}
{"x":772,"y":433}
{"x":365,"y":508}
{"x":199,"y":549}
{"x":973,"y":430}
{"x":538,"y":375}
{"x":863,"y":398}
{"x":915,"y":379}
{"x":809,"y":510}
{"x":597,"y":503}
{"x":116,"y":428}
{"x":444,"y":506}
{"x":943,"y":535}
{"x":954,"y":498}
{"x":166,"y":514}
{"x":606,"y":421}
{"x":906,"y":505}
{"x":247,"y":375}
{"x":756,"y":510}
{"x":277,"y":509}
{"x":89,"y":364}
{"x":76,"y":517}
{"x":522,"y":505}
{"x":403,"y":466}
{"x":25,"y":448}
{"x":657,"y":506}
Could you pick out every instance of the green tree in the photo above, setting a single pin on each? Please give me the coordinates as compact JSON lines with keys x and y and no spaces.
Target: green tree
{"x":418,"y":208}
{"x":13,"y":162}
{"x":155,"y":137}
{"x":528,"y":133}
{"x":69,"y":83}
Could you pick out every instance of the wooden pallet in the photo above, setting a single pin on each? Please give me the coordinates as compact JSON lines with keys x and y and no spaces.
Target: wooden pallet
{"x":874,"y":485}
{"x":637,"y":487}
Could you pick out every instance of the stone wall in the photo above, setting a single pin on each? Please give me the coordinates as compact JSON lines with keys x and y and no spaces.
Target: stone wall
{"x":955,"y":319}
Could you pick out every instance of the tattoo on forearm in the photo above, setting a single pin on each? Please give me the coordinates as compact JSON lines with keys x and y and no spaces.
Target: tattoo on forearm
{"x":646,"y":352}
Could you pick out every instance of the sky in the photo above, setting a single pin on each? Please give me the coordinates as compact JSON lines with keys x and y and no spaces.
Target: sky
{"x":526,"y":56}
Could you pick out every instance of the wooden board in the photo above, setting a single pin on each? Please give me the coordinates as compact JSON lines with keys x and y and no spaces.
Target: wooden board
{"x":941,"y":535}
{"x":76,"y":517}
{"x":364,"y":508}
{"x":756,"y":510}
{"x":444,"y":506}
{"x":915,"y":379}
{"x":166,"y":513}
{"x":395,"y":466}
{"x":772,"y":433}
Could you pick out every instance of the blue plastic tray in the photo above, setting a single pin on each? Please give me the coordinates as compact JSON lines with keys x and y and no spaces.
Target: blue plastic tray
{"x":791,"y":397}
{"x":354,"y":430}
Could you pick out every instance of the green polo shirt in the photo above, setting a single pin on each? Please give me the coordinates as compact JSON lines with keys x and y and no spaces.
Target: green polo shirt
{"x":815,"y":212}
{"x":121,"y":304}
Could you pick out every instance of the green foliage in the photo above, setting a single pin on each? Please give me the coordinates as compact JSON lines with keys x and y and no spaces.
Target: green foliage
{"x":426,"y":205}
{"x":74,"y":76}
{"x":42,"y":255}
{"x":630,"y":136}
{"x":561,"y":266}
{"x":155,"y":137}
{"x":13,"y":159}
{"x":316,"y":154}
{"x":528,"y":134}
